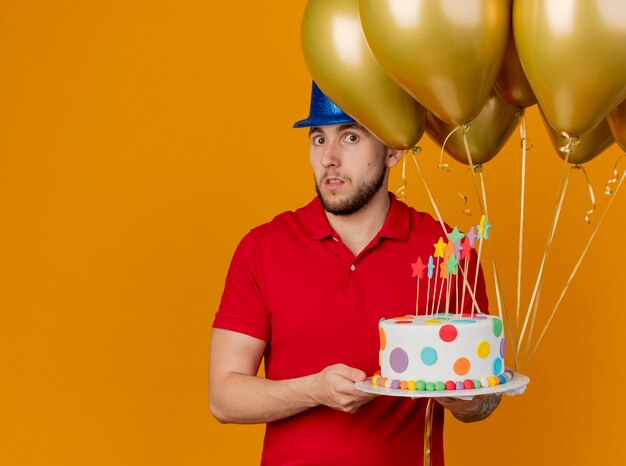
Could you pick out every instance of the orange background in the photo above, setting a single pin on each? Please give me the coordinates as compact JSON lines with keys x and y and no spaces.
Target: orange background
{"x":139,"y":141}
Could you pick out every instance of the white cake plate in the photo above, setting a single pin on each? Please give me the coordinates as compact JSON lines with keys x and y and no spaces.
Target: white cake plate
{"x":515,"y":386}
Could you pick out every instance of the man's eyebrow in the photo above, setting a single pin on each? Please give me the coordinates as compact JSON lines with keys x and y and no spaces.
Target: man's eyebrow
{"x":352,"y":125}
{"x":315,"y":129}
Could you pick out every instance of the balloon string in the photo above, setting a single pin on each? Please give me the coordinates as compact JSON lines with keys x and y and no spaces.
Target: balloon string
{"x":466,"y":209}
{"x":466,"y":285}
{"x":484,"y":209}
{"x":571,"y":141}
{"x":607,"y":188}
{"x":522,"y":131}
{"x":430,"y":196}
{"x":444,"y":166}
{"x":482,"y":199}
{"x":591,"y":194}
{"x":575,"y":269}
{"x":474,"y":169}
{"x":557,"y":210}
{"x":428,"y":427}
{"x":401,"y":191}
{"x":502,"y":312}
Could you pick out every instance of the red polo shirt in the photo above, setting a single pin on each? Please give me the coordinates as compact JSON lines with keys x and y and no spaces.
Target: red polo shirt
{"x":294,"y":284}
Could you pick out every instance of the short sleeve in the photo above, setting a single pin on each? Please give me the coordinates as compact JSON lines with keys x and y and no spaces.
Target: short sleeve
{"x":242,"y":308}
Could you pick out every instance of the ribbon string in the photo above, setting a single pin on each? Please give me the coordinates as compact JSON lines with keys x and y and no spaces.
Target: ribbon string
{"x":591,"y":194}
{"x":523,"y":139}
{"x":428,"y":429}
{"x":531,"y":354}
{"x":466,"y":285}
{"x":532,"y":307}
{"x":444,"y":166}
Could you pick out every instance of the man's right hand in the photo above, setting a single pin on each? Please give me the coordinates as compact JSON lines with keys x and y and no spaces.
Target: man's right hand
{"x":334,"y":387}
{"x":237,"y":394}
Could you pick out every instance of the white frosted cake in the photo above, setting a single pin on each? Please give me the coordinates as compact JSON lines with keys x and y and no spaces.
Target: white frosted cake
{"x":441,"y":352}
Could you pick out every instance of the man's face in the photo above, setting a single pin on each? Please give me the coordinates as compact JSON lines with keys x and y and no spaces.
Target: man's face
{"x":349,"y":165}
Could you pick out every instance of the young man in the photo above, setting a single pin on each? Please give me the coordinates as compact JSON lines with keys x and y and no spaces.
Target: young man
{"x":306,"y":292}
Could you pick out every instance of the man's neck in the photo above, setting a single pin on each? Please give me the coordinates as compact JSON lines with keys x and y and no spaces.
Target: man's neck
{"x":358,"y":230}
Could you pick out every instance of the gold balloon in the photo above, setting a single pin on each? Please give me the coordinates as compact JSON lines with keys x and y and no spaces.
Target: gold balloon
{"x":486,"y":134}
{"x":445,"y":53}
{"x":617,"y":123}
{"x":511,"y":83}
{"x":344,"y":68}
{"x":585,"y":147}
{"x":574,"y":56}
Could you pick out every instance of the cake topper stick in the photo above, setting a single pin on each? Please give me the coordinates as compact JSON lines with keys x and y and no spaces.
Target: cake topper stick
{"x":418,"y":271}
{"x":439,"y":246}
{"x":448,"y":290}
{"x":443,"y":273}
{"x":454,"y":249}
{"x":482,"y":234}
{"x":431,"y":268}
{"x":470,"y":291}
{"x":456,"y":300}
{"x":466,"y":250}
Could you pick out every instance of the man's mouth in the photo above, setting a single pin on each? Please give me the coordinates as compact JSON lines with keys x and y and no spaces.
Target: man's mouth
{"x":333,"y":182}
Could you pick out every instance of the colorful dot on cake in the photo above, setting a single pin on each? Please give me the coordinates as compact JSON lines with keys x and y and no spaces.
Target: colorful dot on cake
{"x":503,"y":348}
{"x":440,"y":386}
{"x":388,"y":383}
{"x":483,"y":349}
{"x":399,"y":360}
{"x":468,"y":384}
{"x":448,"y":333}
{"x":382,"y":381}
{"x":497,"y":366}
{"x":496,"y":326}
{"x":383,"y":338}
{"x":450,"y":385}
{"x":477,"y":383}
{"x":461,"y":366}
{"x":403,"y":385}
{"x":375,"y":379}
{"x":420,"y":385}
{"x":432,"y":322}
{"x":502,"y":378}
{"x":430,"y":386}
{"x":411,"y":385}
{"x":484,"y":383}
{"x":429,"y":356}
{"x":460,"y":385}
{"x":395,"y":384}
{"x":463,"y":321}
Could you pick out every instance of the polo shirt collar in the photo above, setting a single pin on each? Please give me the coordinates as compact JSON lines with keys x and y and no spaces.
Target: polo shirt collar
{"x":396,"y":226}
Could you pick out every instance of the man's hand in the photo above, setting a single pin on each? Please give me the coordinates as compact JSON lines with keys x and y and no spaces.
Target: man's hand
{"x":334,"y":387}
{"x":476,"y":409}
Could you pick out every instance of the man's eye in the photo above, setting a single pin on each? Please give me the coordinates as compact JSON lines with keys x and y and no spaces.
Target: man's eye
{"x":352,"y":137}
{"x":319,"y":140}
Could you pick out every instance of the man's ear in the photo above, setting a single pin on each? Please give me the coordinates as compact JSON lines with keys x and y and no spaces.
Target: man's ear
{"x":393,"y":156}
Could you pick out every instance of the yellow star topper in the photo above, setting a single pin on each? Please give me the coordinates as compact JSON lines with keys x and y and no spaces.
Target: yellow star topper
{"x":481,"y":226}
{"x":439,"y":246}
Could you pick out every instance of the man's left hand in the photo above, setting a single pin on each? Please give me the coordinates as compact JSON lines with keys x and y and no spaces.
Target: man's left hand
{"x":476,"y":409}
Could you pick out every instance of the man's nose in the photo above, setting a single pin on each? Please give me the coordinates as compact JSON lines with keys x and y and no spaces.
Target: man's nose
{"x":332,"y":155}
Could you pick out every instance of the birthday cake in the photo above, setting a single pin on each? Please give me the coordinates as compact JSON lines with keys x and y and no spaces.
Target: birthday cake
{"x":441,"y":352}
{"x":444,"y":351}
